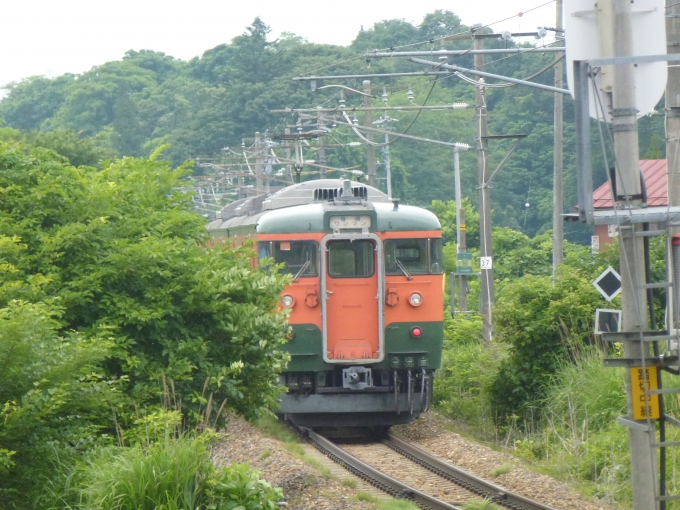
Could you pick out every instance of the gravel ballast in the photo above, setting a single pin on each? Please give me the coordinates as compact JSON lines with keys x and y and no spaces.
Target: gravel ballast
{"x":430,"y":434}
{"x":303,"y":486}
{"x":306,"y":486}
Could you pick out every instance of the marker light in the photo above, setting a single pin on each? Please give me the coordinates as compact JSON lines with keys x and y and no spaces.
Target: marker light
{"x":416,"y":332}
{"x":416,"y":299}
{"x":287,"y":301}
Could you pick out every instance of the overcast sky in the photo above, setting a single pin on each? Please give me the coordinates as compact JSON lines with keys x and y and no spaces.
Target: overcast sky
{"x":52,"y":37}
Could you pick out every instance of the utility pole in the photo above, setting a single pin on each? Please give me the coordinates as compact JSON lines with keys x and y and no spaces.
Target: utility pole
{"x":673,"y":104}
{"x":460,"y":230}
{"x":289,"y":167}
{"x":558,"y":207}
{"x":322,"y":148}
{"x":241,"y":181}
{"x":485,"y":247}
{"x":388,"y":167}
{"x":634,"y":295}
{"x":386,"y":149}
{"x":462,"y":247}
{"x":258,"y":164}
{"x":370,"y":149}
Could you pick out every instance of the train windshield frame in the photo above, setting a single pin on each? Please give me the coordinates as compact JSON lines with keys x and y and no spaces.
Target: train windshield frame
{"x":299,"y":258}
{"x":413,"y":256}
{"x":351,"y":258}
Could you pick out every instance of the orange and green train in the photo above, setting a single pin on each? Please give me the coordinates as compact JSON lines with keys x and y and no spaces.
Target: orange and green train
{"x":366,"y":298}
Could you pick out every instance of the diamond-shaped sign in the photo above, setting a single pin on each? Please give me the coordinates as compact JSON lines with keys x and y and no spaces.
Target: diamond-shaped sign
{"x":608,"y":283}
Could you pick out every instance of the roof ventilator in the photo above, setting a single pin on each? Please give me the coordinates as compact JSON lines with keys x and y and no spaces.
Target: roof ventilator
{"x":345,"y":194}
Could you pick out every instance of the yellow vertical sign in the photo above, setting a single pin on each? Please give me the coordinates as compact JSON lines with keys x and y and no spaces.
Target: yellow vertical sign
{"x":641,"y":380}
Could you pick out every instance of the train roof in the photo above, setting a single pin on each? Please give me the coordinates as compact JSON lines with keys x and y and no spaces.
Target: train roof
{"x":305,"y":207}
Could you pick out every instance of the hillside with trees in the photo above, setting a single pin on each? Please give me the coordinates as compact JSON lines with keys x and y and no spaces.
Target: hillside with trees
{"x":149,"y":99}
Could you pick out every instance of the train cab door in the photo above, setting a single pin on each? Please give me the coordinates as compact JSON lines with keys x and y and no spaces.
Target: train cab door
{"x":352,"y":289}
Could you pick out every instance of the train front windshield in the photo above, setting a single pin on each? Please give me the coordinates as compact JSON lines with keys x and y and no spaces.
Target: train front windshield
{"x":415,"y":256}
{"x":296,"y":256}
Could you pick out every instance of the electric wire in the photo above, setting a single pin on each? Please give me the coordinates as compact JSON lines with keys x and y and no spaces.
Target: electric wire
{"x":505,"y":85}
{"x":434,"y":39}
{"x":429,"y":41}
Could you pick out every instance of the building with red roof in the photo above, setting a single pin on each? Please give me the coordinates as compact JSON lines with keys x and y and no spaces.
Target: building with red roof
{"x":656,"y":182}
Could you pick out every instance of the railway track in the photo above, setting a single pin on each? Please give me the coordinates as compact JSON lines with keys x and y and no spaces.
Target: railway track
{"x":440,"y":486}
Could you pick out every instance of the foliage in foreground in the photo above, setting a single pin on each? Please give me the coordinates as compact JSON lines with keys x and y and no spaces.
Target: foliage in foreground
{"x":112,"y":307}
{"x":119,"y":251}
{"x":173,"y":474}
{"x":56,"y":399}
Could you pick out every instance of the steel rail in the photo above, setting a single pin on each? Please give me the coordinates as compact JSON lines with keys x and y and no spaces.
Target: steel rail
{"x":373,"y":476}
{"x":497,"y":494}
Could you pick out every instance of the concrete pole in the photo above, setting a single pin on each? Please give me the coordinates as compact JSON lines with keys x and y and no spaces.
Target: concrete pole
{"x":458,"y":193}
{"x":462,"y":279}
{"x":289,"y":167}
{"x":322,"y":150}
{"x":673,"y":104}
{"x":370,"y":149}
{"x":633,"y":295}
{"x":485,"y":247}
{"x":388,"y":167}
{"x":258,"y":164}
{"x":241,"y":180}
{"x":460,"y":229}
{"x":558,"y":206}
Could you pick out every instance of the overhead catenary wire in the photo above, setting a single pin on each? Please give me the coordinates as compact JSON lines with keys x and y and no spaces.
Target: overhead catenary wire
{"x":431,"y":40}
{"x":505,"y":85}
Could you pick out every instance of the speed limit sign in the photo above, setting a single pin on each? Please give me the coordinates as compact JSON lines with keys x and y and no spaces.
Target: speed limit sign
{"x":485,"y":263}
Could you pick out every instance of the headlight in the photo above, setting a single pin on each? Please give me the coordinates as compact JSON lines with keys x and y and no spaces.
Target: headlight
{"x":416,"y":299}
{"x":287,"y":301}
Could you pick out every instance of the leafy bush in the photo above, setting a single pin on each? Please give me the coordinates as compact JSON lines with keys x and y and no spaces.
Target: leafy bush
{"x":119,"y":249}
{"x":544,"y":321}
{"x":56,"y":400}
{"x":462,"y":385}
{"x":111,"y":307}
{"x":173,"y":474}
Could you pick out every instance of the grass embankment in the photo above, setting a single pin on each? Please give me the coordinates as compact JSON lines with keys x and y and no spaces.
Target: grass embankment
{"x":571,"y":433}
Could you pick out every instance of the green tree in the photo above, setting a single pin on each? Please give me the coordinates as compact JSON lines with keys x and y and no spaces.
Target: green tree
{"x":121,"y":250}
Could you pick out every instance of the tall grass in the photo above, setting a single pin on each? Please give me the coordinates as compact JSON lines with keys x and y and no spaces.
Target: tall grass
{"x":584,"y":397}
{"x":461,"y":387}
{"x":580,"y":438}
{"x":172,"y":474}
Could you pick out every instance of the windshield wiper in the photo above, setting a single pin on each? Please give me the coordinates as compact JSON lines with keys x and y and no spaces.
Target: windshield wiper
{"x":403,"y":270}
{"x":302,"y":270}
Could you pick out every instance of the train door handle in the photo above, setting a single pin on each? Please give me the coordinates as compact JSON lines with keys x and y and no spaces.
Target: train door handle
{"x":328,"y":293}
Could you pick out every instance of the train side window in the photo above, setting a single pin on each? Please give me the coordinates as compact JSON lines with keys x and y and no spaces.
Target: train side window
{"x":295,"y":256}
{"x":404,"y":256}
{"x":351,"y":259}
{"x":264,"y":250}
{"x":436,"y":257}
